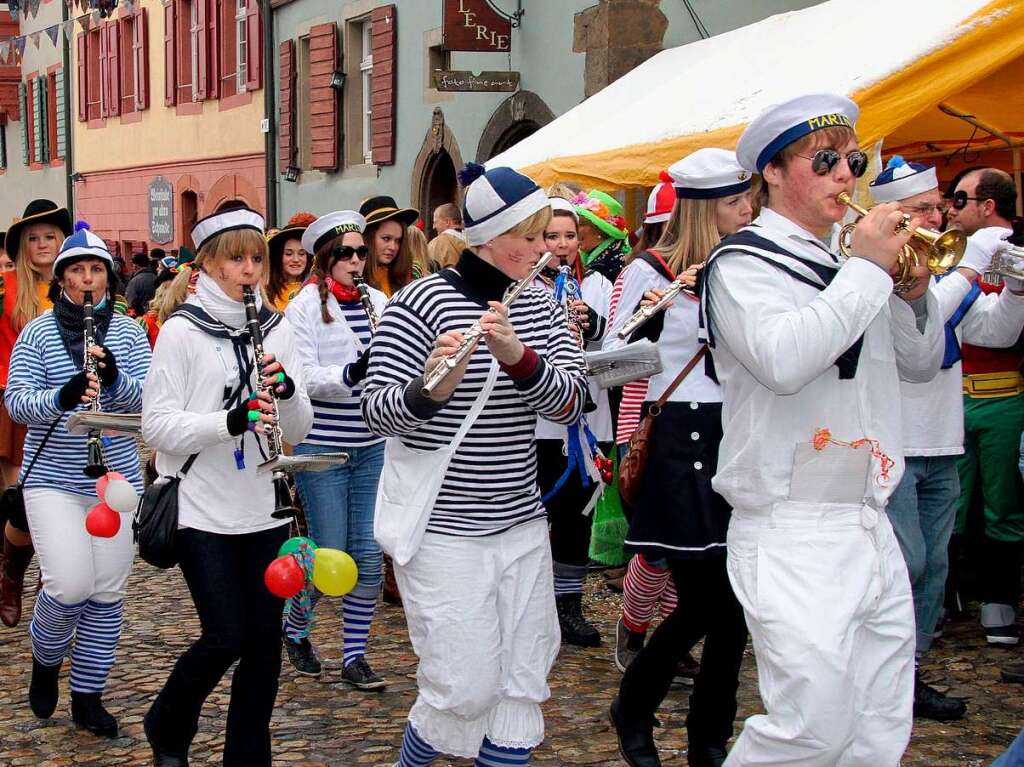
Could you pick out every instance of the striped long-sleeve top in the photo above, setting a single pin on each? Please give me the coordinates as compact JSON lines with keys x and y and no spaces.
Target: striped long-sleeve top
{"x":491,"y":483}
{"x":40,"y":366}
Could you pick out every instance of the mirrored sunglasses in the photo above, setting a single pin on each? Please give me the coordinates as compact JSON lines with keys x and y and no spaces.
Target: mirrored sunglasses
{"x":824,"y":160}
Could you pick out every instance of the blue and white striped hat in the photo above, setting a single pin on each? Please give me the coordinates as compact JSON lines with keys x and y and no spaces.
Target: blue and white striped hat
{"x":496,"y":200}
{"x":82,"y":244}
{"x":902,"y":179}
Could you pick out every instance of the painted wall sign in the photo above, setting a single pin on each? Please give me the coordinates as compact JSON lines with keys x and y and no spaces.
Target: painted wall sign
{"x":474,"y":25}
{"x":470,"y":81}
{"x":161,"y":211}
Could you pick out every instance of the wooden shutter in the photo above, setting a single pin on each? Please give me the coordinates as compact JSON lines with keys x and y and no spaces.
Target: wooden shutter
{"x":113,"y":33}
{"x":81,"y":51}
{"x":199,"y":89}
{"x":384,"y":36}
{"x":104,"y":73}
{"x":286,"y":115}
{"x":26,"y":121}
{"x":254,"y":46}
{"x":323,"y":101}
{"x":38,"y":120}
{"x":170,"y":62}
{"x":140,"y":53}
{"x":62,"y":139}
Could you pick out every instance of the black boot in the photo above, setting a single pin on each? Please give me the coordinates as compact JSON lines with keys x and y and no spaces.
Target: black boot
{"x":703,"y":755}
{"x":929,"y":703}
{"x":636,"y":743}
{"x":575,"y":629}
{"x":162,"y":758}
{"x":13,"y":565}
{"x":87,"y":711}
{"x":42,"y":690}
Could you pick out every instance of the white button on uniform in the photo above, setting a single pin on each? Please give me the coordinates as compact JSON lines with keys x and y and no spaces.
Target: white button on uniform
{"x":693,"y":406}
{"x":695,"y":436}
{"x":698,"y":465}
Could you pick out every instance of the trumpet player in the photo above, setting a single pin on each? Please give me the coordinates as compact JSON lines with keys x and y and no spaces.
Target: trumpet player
{"x":470,"y":545}
{"x":983,"y":206}
{"x":205,"y":412}
{"x":83,"y":577}
{"x":809,"y":350}
{"x":333,"y":330}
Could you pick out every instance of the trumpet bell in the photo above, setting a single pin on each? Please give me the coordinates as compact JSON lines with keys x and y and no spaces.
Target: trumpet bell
{"x":945,"y":248}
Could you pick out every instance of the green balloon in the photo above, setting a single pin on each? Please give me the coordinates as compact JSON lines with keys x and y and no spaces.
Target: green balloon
{"x":291,"y":546}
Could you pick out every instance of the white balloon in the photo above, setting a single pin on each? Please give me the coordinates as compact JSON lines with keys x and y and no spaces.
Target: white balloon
{"x":121,"y":496}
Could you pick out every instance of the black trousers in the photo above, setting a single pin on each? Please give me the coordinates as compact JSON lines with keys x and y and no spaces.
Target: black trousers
{"x":241,"y":621}
{"x":707,"y":607}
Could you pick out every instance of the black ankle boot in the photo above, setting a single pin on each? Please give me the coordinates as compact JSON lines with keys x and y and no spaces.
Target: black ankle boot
{"x":575,"y":629}
{"x":87,"y":712}
{"x":636,"y":742}
{"x":42,"y":690}
{"x":162,"y":758}
{"x":929,"y":703}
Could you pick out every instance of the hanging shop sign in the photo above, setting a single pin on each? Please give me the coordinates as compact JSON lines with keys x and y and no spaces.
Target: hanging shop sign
{"x":484,"y":82}
{"x":475,"y":25}
{"x":161,"y":211}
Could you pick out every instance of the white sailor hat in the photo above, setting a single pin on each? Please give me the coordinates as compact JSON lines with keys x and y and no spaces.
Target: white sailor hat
{"x":707,"y":174}
{"x":228,"y":220}
{"x":902,"y":179}
{"x":82,"y":244}
{"x":562,"y":204}
{"x":329,"y":226}
{"x":780,"y":125}
{"x":496,"y":200}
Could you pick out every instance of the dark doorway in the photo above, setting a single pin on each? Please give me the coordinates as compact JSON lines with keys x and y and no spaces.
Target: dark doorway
{"x":189,"y":216}
{"x":440,"y":184}
{"x":229,"y":204}
{"x":512,"y":135}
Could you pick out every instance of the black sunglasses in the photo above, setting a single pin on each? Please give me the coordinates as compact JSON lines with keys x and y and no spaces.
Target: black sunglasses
{"x":960,"y":198}
{"x":345,"y":252}
{"x":824,"y":160}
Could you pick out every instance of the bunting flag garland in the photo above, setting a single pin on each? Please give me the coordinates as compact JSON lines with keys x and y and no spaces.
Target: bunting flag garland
{"x":84,"y":21}
{"x":69,"y":30}
{"x":33,"y":6}
{"x":16,"y":44}
{"x":5,"y":50}
{"x":12,"y":8}
{"x":34,"y":37}
{"x":19,"y":46}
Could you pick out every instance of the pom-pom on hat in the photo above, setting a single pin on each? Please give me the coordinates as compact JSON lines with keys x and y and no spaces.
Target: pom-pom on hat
{"x":780,"y":125}
{"x":562,"y":204}
{"x":232,"y":219}
{"x":496,"y":200}
{"x":902,"y":179}
{"x":327,"y":227}
{"x":603,"y":211}
{"x":708,"y":174}
{"x":661,"y":200}
{"x":82,"y":244}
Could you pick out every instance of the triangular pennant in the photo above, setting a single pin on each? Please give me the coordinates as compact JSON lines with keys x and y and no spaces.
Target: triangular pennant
{"x":19,"y":45}
{"x":34,"y":37}
{"x":34,"y":7}
{"x":12,"y":7}
{"x":5,"y":50}
{"x":53,"y":33}
{"x":69,"y":30}
{"x":84,"y":21}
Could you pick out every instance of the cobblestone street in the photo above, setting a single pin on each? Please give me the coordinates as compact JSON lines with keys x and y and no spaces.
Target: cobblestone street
{"x":322,"y":723}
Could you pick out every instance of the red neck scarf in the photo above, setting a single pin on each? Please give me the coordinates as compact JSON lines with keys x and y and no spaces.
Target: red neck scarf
{"x":341,"y":292}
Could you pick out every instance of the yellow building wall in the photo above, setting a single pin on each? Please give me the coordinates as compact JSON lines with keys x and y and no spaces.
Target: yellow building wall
{"x":162,"y":135}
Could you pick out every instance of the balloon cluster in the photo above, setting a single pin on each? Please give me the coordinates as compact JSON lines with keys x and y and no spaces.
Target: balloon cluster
{"x":117,"y":496}
{"x":301,"y":562}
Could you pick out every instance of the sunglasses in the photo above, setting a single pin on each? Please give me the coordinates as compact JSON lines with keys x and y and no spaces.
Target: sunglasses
{"x":824,"y":160}
{"x":961,"y":197}
{"x":345,"y":252}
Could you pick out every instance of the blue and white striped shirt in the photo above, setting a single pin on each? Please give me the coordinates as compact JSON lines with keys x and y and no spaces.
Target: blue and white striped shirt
{"x":40,"y":366}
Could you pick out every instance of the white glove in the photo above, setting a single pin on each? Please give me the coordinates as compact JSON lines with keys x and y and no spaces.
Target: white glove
{"x":981,"y":246}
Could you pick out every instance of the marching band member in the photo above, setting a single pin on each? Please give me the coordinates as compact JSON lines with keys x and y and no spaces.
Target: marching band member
{"x":568,"y":508}
{"x":332,"y":336}
{"x":809,"y":351}
{"x":678,"y":519}
{"x":390,"y":265}
{"x":32,"y":243}
{"x":289,"y":262}
{"x":196,"y":416}
{"x":83,"y":578}
{"x":477,"y":589}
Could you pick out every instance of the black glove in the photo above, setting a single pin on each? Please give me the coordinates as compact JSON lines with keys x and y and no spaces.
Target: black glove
{"x":356,"y":371}
{"x":107,"y":369}
{"x":285,"y":388}
{"x":71,"y":393}
{"x":238,"y":419}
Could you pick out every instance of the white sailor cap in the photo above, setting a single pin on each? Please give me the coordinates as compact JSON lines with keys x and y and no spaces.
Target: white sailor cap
{"x":780,"y":125}
{"x":329,"y":226}
{"x":82,"y":244}
{"x":228,"y":220}
{"x":562,"y":204}
{"x":707,"y":174}
{"x":902,"y":179}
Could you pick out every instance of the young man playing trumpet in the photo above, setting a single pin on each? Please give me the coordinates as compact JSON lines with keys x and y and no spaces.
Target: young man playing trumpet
{"x":810,"y":349}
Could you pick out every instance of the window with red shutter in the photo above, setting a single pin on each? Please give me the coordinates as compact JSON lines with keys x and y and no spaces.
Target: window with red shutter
{"x":253,"y":72}
{"x":140,"y":56}
{"x":170,"y":59}
{"x":83,"y":86}
{"x":323,"y":99}
{"x":104,"y":72}
{"x":385,"y":80}
{"x":94,"y":74}
{"x":286,"y":118}
{"x":127,"y":62}
{"x":212,"y":37}
{"x":229,"y":81}
{"x":112,"y":31}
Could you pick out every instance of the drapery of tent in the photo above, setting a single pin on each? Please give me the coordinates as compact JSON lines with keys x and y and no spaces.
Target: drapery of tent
{"x":915,"y":67}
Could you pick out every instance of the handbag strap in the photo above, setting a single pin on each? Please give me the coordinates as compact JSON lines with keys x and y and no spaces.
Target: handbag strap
{"x":679,"y":378}
{"x":478,"y":405}
{"x":39,"y":451}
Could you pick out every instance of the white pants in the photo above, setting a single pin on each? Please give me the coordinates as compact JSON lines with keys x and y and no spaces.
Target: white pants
{"x":828,"y":603}
{"x":482,"y":619}
{"x":76,"y":566}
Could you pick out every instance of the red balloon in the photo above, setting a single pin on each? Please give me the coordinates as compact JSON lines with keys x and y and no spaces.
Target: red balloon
{"x":101,"y":483}
{"x":102,"y":521}
{"x":284,"y":577}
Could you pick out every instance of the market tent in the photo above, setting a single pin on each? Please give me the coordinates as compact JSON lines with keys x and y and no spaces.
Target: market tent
{"x":911,"y":65}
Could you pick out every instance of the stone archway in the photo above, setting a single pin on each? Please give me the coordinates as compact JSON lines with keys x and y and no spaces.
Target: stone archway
{"x":228,"y":188}
{"x":433,"y":173}
{"x":517,"y":117}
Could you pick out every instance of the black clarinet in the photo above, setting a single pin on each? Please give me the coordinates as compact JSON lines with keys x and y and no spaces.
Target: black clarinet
{"x":96,"y":466}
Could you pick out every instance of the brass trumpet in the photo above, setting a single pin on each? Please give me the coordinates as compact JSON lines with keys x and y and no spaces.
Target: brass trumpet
{"x":942,"y":250}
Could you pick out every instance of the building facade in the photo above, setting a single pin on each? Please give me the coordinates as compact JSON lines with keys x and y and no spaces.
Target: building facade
{"x":358,"y":112}
{"x":33,"y":130}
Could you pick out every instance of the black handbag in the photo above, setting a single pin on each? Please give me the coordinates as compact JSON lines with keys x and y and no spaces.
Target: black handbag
{"x":12,"y":500}
{"x":156,"y":520}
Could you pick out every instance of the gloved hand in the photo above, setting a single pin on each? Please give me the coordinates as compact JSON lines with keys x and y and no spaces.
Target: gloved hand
{"x":107,"y":367}
{"x":981,"y":246}
{"x":355,"y":372}
{"x":71,"y":393}
{"x":274,"y":375}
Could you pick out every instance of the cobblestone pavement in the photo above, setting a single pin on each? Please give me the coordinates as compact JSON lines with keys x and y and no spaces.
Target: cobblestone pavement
{"x":321,"y":723}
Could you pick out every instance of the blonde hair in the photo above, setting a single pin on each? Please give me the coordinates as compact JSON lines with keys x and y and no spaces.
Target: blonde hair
{"x":421,"y":264}
{"x":690,"y":233}
{"x":228,"y":243}
{"x":399,"y":270}
{"x":534,"y":224}
{"x":26,"y":303}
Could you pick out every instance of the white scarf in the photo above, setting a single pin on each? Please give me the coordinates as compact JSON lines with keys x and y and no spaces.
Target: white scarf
{"x":220,"y":305}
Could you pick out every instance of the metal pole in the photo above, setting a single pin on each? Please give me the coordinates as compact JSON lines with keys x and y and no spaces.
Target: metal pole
{"x":269,"y":108}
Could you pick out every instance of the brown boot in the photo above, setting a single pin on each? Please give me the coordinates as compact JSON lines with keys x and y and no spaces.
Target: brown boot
{"x":12,"y":580}
{"x":391,"y":594}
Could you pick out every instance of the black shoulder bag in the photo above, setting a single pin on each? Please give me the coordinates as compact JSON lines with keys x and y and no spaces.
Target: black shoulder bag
{"x":156,"y":520}
{"x":12,"y":500}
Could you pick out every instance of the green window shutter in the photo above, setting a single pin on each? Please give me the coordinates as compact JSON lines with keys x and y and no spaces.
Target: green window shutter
{"x":23,"y":104}
{"x":61,"y":124}
{"x":39,"y":114}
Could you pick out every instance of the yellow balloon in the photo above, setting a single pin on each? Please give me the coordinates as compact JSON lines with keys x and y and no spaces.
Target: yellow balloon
{"x":334,"y":572}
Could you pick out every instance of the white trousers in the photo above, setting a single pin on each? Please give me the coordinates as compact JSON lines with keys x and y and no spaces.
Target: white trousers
{"x":76,"y":566}
{"x":482,"y":619}
{"x":828,"y":603}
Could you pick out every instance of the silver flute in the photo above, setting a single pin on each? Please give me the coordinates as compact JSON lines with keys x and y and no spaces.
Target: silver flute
{"x":644,"y":313}
{"x":364,"y":299}
{"x":442,"y":369}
